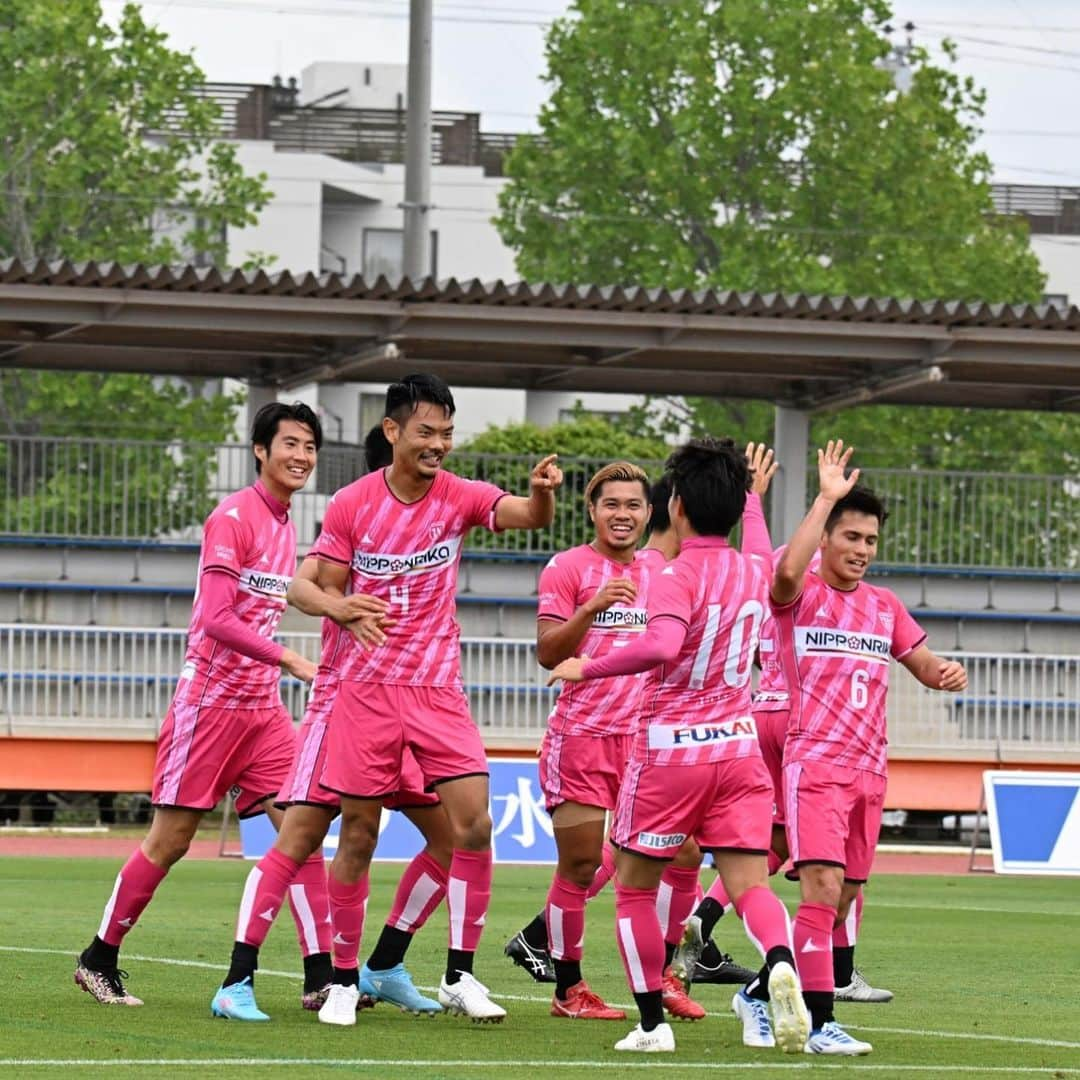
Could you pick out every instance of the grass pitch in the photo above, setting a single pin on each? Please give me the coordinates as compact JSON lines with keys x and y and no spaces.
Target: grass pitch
{"x":984,"y":970}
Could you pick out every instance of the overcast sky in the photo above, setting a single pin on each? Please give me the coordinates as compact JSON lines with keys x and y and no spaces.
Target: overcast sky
{"x":488,"y":58}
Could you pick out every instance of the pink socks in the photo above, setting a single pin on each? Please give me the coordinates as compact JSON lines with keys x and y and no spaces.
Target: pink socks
{"x":135,"y":885}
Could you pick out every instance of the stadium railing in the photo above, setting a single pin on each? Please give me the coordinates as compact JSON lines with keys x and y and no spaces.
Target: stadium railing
{"x":140,"y":491}
{"x":117,"y":682}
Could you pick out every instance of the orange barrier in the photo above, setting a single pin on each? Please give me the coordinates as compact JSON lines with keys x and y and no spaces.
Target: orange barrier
{"x":41,"y":764}
{"x":28,"y":764}
{"x":943,"y":784}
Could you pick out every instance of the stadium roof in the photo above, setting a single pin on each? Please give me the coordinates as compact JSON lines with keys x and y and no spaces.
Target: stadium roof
{"x":282,"y":329}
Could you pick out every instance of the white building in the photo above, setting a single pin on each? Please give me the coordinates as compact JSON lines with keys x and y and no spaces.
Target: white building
{"x":332,"y":214}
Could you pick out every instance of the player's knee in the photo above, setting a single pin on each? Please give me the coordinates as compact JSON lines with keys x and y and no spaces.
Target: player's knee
{"x":166,"y":850}
{"x":474,"y":834}
{"x":580,"y":870}
{"x":358,"y":838}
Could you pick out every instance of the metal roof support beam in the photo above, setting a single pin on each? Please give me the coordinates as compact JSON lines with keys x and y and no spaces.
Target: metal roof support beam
{"x":875,"y":387}
{"x":337,"y":370}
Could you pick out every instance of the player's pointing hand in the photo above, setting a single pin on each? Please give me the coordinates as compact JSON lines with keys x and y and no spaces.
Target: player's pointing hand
{"x":546,"y":475}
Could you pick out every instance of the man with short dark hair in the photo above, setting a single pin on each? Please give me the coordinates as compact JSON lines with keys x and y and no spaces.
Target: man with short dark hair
{"x":397,"y":534}
{"x":696,"y":769}
{"x":835,"y":637}
{"x":226,"y":726}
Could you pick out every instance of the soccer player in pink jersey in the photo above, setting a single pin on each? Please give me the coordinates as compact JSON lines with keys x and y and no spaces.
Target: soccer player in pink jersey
{"x":310,"y":808}
{"x":835,"y":636}
{"x":226,"y":726}
{"x":696,"y":769}
{"x":397,"y":534}
{"x":591,"y":601}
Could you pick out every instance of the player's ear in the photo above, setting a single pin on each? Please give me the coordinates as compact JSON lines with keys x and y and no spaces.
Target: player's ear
{"x":391,"y":429}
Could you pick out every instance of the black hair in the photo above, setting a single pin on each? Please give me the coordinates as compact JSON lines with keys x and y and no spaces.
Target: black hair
{"x":712,"y":477}
{"x":377,"y":449}
{"x":659,"y":494}
{"x":268,"y":419}
{"x":403,"y":397}
{"x":863,"y":501}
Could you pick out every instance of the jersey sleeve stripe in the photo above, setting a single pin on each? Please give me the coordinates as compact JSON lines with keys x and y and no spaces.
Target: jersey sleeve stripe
{"x":219,"y":568}
{"x":909,"y":651}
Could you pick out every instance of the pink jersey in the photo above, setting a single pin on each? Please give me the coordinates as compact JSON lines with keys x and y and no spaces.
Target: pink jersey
{"x":834,"y":646}
{"x":697,"y":709}
{"x":407,"y":554}
{"x":249,"y":537}
{"x":570,"y":579}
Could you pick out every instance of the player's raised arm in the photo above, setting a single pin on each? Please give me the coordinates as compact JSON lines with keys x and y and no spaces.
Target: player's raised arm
{"x":833,"y":485}
{"x":934,"y":672}
{"x":755,"y":532}
{"x":538,"y":510}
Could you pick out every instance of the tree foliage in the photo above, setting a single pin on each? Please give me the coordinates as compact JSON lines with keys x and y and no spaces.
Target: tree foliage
{"x":505,"y":455}
{"x":88,"y":170}
{"x":93,"y":166}
{"x":756,"y":144}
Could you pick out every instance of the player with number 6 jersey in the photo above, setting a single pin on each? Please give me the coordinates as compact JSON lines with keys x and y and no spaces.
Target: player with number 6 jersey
{"x":836,"y":635}
{"x":695,"y":768}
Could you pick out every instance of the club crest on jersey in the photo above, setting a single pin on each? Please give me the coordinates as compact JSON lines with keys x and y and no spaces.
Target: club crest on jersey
{"x":827,"y":641}
{"x":393,"y":564}
{"x":669,"y":737}
{"x":435,"y":531}
{"x":621,"y":619}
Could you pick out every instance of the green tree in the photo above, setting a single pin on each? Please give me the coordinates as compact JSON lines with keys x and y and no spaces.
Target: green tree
{"x":107,"y":148}
{"x":108,"y":151}
{"x":504,"y":456}
{"x":756,"y":144}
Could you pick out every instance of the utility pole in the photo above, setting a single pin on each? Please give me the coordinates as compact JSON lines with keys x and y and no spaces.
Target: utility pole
{"x":416,"y":244}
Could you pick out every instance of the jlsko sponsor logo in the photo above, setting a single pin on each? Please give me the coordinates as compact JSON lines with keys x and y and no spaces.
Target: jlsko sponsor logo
{"x":661,"y":841}
{"x":391,"y":564}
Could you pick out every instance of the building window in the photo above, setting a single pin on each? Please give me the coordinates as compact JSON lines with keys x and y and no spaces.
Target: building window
{"x":1060,"y":300}
{"x":371,"y":413}
{"x":383,"y":254}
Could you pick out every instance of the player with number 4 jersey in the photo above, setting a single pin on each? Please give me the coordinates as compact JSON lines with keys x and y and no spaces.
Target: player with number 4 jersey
{"x":396,"y":534}
{"x":695,"y":768}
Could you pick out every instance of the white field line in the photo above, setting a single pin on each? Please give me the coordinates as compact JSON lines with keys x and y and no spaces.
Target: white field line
{"x":201,"y":964}
{"x":495,"y":1063}
{"x":973,"y":907}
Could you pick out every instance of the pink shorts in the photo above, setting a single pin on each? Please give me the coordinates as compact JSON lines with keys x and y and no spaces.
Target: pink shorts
{"x":771,"y":733}
{"x":833,"y":815}
{"x":302,"y":784}
{"x":723,"y":805}
{"x":373,"y":724}
{"x":204,"y":751}
{"x":585,"y":769}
